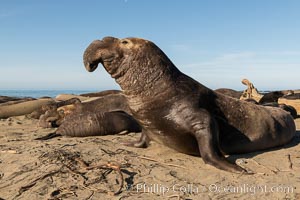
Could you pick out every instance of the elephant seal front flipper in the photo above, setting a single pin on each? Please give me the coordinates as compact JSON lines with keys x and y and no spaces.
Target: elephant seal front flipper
{"x":205,"y":130}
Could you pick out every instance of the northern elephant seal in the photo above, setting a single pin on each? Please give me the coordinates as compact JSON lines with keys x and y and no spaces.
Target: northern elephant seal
{"x":52,"y":106}
{"x":23,"y":108}
{"x":55,"y":116}
{"x":271,"y":97}
{"x":95,"y":124}
{"x":177,"y":111}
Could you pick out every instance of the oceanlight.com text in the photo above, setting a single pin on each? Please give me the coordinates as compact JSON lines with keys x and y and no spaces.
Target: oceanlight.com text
{"x":212,"y":188}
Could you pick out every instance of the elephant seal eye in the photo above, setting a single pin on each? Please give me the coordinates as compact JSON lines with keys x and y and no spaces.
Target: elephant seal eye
{"x":124,"y":42}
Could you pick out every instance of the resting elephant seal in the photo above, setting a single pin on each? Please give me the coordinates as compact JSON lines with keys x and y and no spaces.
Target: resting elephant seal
{"x":177,"y":111}
{"x":230,"y":92}
{"x":53,"y":106}
{"x":274,"y":96}
{"x":295,"y":96}
{"x":65,"y":97}
{"x":95,"y":124}
{"x":23,"y":108}
{"x":56,"y":114}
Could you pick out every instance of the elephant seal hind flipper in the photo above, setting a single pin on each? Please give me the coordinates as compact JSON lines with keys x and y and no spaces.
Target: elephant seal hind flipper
{"x":48,"y":137}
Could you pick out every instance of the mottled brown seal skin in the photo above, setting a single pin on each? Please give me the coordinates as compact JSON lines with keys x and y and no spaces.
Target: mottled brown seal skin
{"x":230,"y":92}
{"x":51,"y":118}
{"x":177,"y":111}
{"x":53,"y":106}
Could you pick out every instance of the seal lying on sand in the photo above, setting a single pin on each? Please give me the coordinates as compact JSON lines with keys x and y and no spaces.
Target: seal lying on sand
{"x":52,"y":106}
{"x":55,"y":116}
{"x":274,"y":96}
{"x":95,"y":124}
{"x":177,"y":111}
{"x":23,"y":108}
{"x":295,"y":96}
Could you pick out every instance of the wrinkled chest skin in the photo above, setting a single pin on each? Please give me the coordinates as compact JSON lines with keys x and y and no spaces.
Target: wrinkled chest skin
{"x":163,"y":124}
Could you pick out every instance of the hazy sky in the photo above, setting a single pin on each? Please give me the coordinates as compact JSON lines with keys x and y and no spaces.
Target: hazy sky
{"x":217,"y":42}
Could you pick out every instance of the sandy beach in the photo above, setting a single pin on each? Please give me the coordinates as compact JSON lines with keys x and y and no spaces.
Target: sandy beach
{"x":95,"y":167}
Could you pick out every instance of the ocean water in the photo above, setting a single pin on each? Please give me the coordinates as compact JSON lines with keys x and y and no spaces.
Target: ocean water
{"x":40,"y":93}
{"x":51,"y":93}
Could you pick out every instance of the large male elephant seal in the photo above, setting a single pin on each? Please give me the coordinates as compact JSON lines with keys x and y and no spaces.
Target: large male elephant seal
{"x":177,"y":111}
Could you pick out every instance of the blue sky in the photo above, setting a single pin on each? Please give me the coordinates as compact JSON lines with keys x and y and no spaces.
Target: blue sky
{"x":217,"y":42}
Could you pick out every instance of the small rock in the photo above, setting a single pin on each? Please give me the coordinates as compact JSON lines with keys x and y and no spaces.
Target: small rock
{"x":242,"y":161}
{"x":173,"y":173}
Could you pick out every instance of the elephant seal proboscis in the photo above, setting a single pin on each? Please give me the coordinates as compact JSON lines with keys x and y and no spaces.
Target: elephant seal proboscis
{"x":177,"y":111}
